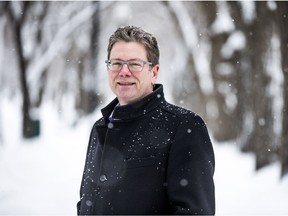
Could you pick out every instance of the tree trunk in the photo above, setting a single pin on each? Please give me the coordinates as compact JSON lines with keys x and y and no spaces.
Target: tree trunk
{"x":89,"y":99}
{"x":188,"y":93}
{"x":283,"y":27}
{"x":92,"y":97}
{"x":26,"y":118}
{"x":257,"y":131}
{"x":261,"y":141}
{"x":27,"y":122}
{"x":226,"y":126}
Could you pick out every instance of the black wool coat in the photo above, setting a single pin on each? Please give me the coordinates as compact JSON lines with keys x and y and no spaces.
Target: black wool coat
{"x":152,"y":157}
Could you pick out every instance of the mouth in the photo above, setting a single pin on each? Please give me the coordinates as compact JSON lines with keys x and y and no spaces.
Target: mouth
{"x":125,"y":83}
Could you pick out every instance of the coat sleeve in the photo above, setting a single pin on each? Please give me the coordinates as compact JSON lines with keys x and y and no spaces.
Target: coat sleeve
{"x":191,"y":168}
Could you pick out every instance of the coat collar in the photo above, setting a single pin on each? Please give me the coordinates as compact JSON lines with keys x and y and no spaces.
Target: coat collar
{"x":136,"y":109}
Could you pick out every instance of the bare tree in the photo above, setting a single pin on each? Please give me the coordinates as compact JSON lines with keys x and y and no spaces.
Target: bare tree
{"x":226,"y":123}
{"x":243,"y":73}
{"x":255,"y":99}
{"x":17,"y":20}
{"x":49,"y":36}
{"x":282,"y":13}
{"x":88,"y":98}
{"x":190,"y":93}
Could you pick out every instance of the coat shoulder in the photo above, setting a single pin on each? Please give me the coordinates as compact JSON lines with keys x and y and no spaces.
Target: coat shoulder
{"x":99,"y":121}
{"x":183,"y":114}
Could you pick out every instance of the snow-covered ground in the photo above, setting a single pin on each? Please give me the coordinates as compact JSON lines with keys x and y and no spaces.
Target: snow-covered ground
{"x":42,"y":176}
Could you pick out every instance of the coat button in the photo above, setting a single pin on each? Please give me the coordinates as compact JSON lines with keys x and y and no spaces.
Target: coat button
{"x":103,"y":178}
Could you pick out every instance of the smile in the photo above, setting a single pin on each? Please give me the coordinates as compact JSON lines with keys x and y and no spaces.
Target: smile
{"x":125,"y":83}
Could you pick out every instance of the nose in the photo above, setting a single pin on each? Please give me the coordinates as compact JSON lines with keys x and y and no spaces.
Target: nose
{"x":125,"y":71}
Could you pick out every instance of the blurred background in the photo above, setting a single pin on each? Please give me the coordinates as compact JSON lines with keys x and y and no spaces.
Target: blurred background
{"x":226,"y":61}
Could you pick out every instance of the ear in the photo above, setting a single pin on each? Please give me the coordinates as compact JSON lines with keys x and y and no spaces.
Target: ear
{"x":155,"y":70}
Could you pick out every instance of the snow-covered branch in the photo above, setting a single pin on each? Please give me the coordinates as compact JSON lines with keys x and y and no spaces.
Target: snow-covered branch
{"x":190,"y":36}
{"x":58,"y":43}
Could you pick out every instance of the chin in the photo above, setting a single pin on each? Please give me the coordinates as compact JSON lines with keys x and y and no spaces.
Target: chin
{"x":126,"y":100}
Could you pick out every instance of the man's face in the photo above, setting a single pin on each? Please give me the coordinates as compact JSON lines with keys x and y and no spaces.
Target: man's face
{"x":128,"y":86}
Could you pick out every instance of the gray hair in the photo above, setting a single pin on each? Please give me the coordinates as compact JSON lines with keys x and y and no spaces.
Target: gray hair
{"x":136,"y":34}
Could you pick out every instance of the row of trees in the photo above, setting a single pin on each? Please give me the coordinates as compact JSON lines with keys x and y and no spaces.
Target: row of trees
{"x":234,"y":72}
{"x":249,"y":95}
{"x":40,"y":35}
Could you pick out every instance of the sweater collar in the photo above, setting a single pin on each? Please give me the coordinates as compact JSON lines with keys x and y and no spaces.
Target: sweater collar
{"x":136,"y":109}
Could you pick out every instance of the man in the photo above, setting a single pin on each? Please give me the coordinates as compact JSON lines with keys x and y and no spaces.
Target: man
{"x":145,"y":156}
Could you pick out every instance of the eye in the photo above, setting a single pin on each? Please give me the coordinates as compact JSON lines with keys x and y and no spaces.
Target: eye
{"x":135,"y":64}
{"x":116,"y":63}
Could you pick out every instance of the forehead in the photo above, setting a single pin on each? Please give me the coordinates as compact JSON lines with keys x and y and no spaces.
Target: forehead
{"x":128,"y":50}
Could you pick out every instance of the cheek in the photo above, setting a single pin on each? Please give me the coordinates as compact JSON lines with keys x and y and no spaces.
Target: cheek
{"x":111,"y":77}
{"x":145,"y":82}
{"x":111,"y":80}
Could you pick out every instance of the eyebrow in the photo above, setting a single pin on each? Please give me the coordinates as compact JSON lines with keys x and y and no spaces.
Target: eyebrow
{"x":128,"y":59}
